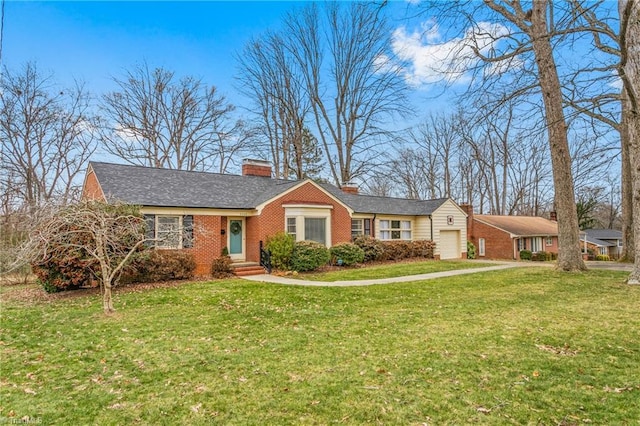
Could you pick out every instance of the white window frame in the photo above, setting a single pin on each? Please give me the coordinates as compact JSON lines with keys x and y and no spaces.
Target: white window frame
{"x":359,"y":229}
{"x":159,"y":243}
{"x":302,"y":211}
{"x":549,"y":241}
{"x":536,"y":244}
{"x":481,"y":247}
{"x":387,"y":230}
{"x":522,"y":244}
{"x":291,"y":226}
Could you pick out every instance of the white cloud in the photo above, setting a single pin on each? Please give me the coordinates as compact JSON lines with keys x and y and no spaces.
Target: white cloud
{"x":426,"y":59}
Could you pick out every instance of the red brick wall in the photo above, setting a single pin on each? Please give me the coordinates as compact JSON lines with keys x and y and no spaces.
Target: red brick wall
{"x":271,"y":221}
{"x":498,"y":244}
{"x":256,"y":170}
{"x":91,"y":189}
{"x":553,"y":248}
{"x":207,"y":242}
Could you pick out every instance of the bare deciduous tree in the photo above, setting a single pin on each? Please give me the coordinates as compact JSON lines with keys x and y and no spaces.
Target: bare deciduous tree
{"x":532,"y":32}
{"x":105,"y":234}
{"x":156,"y":120}
{"x":46,"y":137}
{"x":269,"y":75}
{"x":342,"y":53}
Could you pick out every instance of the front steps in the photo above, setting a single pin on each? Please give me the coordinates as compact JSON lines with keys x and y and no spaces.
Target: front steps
{"x":243,"y":269}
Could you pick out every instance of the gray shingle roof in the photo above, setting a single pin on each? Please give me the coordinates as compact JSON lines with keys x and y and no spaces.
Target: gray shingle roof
{"x":384,"y":205}
{"x":147,"y":186}
{"x":604,"y":234}
{"x":597,"y":242}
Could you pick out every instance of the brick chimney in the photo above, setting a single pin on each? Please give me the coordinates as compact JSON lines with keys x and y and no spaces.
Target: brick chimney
{"x":256,"y":168}
{"x":468,"y":209}
{"x":553,"y":216}
{"x":349,"y":188}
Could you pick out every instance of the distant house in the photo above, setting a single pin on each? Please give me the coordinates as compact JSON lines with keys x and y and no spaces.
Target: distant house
{"x":240,"y":211}
{"x":503,"y":237}
{"x":602,"y":241}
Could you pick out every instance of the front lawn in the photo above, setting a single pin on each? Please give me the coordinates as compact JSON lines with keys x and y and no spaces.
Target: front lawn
{"x":390,"y":270}
{"x":518,"y":346}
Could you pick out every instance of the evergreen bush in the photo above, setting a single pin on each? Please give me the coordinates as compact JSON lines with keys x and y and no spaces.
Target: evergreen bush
{"x":373,"y":249}
{"x":346,"y":254}
{"x":309,"y":256}
{"x":281,"y":247}
{"x":525,"y":255}
{"x":471,"y":250}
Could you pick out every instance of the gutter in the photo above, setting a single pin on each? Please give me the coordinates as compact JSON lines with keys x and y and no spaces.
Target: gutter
{"x":431,"y":225}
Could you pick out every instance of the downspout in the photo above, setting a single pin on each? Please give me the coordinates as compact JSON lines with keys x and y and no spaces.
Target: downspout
{"x":431,"y":225}
{"x":373,"y":226}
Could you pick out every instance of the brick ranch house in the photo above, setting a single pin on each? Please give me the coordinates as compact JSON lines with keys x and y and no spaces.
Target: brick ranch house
{"x":502,"y":237}
{"x":240,"y":211}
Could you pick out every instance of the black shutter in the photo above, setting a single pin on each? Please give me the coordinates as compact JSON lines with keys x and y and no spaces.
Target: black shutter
{"x":187,"y":231}
{"x":150,"y":230}
{"x":367,"y":227}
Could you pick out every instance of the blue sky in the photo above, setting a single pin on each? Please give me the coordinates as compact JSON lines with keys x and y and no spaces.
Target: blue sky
{"x":95,"y":41}
{"x":92,"y":41}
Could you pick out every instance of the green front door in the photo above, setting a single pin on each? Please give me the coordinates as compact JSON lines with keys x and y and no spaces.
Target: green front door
{"x":236,"y":237}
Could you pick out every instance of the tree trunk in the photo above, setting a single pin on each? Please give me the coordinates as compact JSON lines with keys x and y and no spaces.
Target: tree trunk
{"x":107,"y":300}
{"x":630,"y":72}
{"x":569,"y":254}
{"x":628,"y":242}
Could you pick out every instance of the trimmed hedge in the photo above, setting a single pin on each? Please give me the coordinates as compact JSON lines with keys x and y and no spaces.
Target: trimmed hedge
{"x":221,"y":267}
{"x":64,"y":273}
{"x":308,"y":256}
{"x":525,"y":255}
{"x":346,"y":254}
{"x":604,"y":257}
{"x":160,"y":265}
{"x":422,"y":248}
{"x":373,"y":249}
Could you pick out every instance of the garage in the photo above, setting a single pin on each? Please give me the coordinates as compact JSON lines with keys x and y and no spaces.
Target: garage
{"x":449,"y":244}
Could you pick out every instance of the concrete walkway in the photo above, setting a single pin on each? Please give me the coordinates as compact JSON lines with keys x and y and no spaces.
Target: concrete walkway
{"x":408,"y":278}
{"x":292,"y":281}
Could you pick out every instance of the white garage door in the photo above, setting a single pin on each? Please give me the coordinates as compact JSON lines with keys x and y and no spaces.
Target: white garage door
{"x":449,"y":244}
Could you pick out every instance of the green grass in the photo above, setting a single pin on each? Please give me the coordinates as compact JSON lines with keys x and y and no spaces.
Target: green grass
{"x":519,"y":346}
{"x":392,"y":270}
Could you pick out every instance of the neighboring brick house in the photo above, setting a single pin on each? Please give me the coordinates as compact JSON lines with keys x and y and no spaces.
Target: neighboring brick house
{"x":602,"y":241}
{"x":502,"y":237}
{"x":240,"y":211}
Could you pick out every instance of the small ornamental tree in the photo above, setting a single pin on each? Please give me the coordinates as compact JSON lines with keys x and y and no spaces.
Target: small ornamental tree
{"x":102,"y":236}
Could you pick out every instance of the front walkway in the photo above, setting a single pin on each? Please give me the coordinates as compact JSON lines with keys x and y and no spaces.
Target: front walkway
{"x":292,"y":281}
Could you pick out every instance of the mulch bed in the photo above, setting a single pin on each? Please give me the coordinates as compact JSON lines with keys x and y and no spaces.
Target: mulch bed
{"x":33,"y":293}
